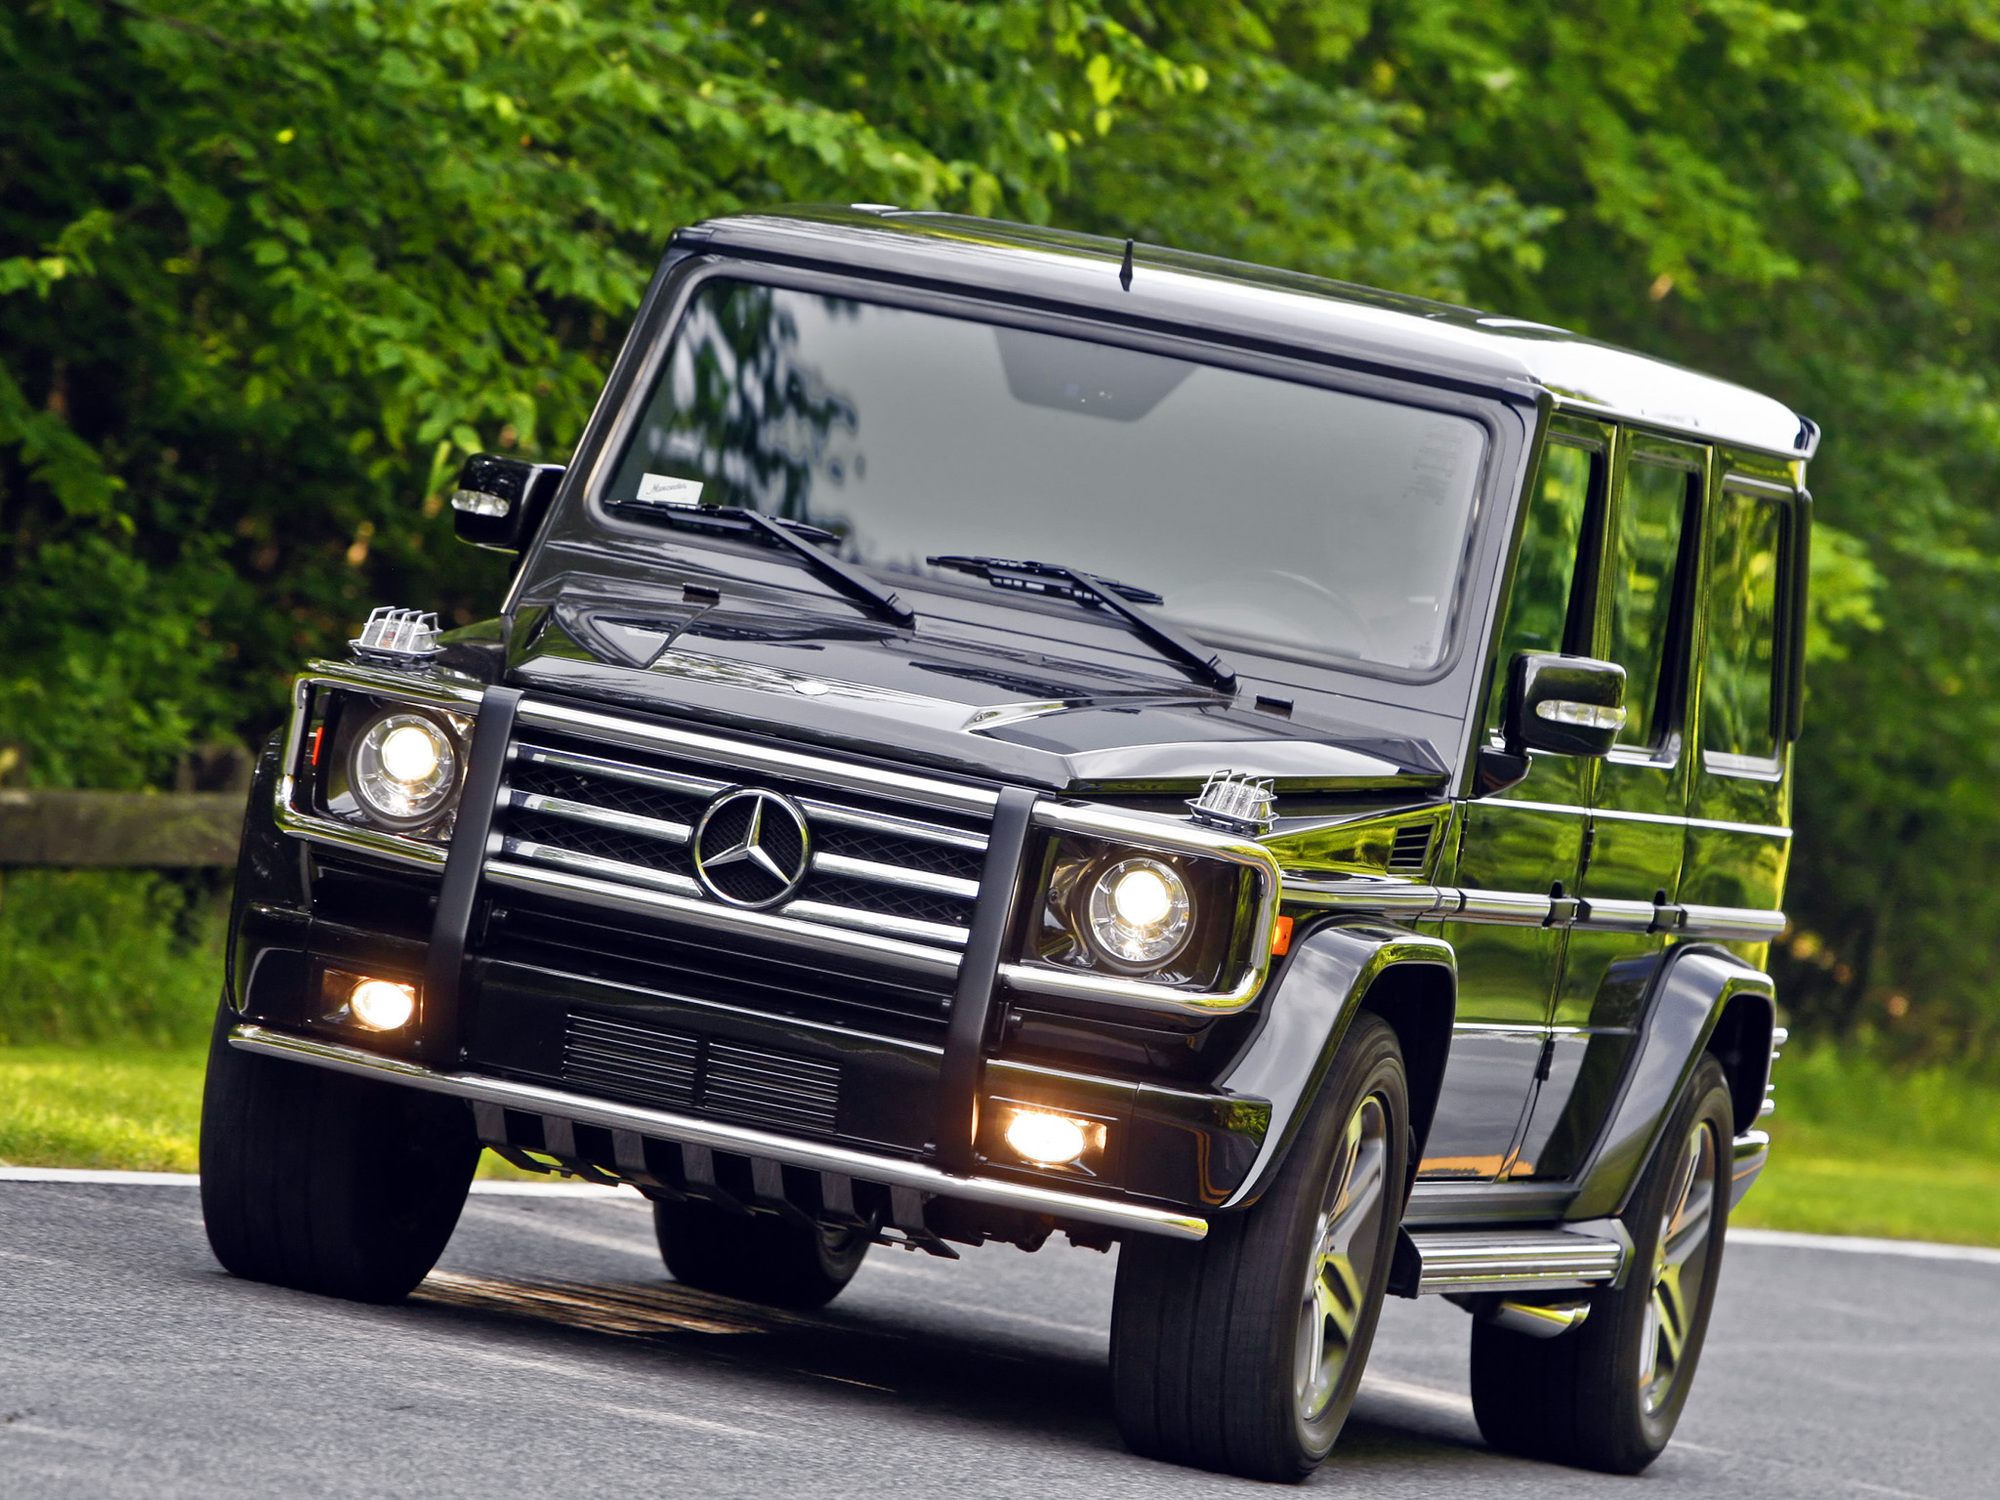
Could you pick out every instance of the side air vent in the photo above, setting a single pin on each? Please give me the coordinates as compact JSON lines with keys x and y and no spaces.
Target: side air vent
{"x":677,"y":1069}
{"x":1411,"y":849}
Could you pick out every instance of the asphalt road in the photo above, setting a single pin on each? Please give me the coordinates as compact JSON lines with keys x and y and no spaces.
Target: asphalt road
{"x":549,"y":1355}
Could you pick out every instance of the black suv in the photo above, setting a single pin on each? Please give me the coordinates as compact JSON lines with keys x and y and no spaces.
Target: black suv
{"x":1000,"y":732}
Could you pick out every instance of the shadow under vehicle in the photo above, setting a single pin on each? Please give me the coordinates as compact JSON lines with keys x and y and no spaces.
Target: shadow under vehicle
{"x":998,"y":733}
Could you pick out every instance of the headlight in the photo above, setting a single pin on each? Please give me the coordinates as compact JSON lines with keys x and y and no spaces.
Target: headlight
{"x":403,"y":770}
{"x":1139,"y":911}
{"x":1135,"y":913}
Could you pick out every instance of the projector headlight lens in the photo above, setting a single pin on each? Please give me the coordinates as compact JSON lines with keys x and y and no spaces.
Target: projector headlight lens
{"x":404,"y":769}
{"x":1139,"y":911}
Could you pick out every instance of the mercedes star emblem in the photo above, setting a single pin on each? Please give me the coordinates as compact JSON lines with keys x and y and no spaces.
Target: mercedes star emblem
{"x":752,"y":847}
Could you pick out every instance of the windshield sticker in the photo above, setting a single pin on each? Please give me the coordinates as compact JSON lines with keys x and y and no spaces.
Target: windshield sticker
{"x":664,"y":489}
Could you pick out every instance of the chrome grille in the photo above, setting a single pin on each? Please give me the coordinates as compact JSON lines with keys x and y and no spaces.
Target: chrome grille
{"x":894,"y":865}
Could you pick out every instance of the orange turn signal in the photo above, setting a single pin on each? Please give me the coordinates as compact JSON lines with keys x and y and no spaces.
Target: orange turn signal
{"x":1281,"y":937}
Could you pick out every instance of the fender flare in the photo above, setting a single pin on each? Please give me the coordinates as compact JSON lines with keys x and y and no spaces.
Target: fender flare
{"x":1696,"y":987}
{"x":1335,"y":971}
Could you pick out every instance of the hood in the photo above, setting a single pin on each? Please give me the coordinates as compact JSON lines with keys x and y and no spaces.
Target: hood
{"x":960,"y":705}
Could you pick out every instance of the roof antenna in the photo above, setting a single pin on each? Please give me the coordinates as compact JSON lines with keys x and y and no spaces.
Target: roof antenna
{"x":1125,"y":270}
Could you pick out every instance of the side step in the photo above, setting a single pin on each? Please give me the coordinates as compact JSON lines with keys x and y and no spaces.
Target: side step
{"x":1518,"y":1260}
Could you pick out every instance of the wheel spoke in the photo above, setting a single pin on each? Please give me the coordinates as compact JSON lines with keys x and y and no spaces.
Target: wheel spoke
{"x":1330,"y":1311}
{"x":1685,"y":1230}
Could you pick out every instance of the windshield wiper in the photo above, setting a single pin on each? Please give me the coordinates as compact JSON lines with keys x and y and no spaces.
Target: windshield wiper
{"x":1107,"y":593}
{"x":795,"y":537}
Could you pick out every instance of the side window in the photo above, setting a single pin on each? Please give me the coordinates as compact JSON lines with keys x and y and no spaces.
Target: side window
{"x":1543,"y":605}
{"x":1739,"y":676}
{"x":1645,"y":570}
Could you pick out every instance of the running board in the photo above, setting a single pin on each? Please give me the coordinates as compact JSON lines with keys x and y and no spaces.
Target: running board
{"x":1520,"y":1260}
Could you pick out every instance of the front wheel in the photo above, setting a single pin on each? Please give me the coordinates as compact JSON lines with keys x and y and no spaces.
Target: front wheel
{"x":1242,"y":1353}
{"x":1606,"y":1395}
{"x":327,"y":1183}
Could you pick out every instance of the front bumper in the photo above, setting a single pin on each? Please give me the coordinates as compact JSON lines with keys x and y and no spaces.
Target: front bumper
{"x":713,"y":1135}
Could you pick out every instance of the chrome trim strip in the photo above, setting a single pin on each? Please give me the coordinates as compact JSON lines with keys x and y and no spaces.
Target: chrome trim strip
{"x":597,"y":865}
{"x":1769,"y":830}
{"x":1751,"y":1152}
{"x":908,"y":828}
{"x":769,"y":760}
{"x":702,"y":786}
{"x":1407,"y":900}
{"x":1620,"y":916}
{"x":742,"y":1140}
{"x":604,"y":817}
{"x":1517,"y":1260}
{"x":717,"y":917}
{"x":618,"y":770}
{"x":1732,"y":924}
{"x":622,"y":873}
{"x":916,"y":930}
{"x":1174,"y":836}
{"x":1071,"y":984}
{"x":331,"y":831}
{"x":1504,"y":908}
{"x":880,"y":874}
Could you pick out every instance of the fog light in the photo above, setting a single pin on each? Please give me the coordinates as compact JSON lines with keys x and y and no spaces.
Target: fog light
{"x":381,"y":1005}
{"x":1049,"y":1140}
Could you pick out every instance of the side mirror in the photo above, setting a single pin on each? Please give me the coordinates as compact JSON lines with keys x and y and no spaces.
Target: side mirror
{"x":500,"y":501}
{"x":1565,"y":705}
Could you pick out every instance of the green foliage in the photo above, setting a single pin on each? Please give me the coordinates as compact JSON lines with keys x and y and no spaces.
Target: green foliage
{"x":269,"y":268}
{"x":102,"y":955}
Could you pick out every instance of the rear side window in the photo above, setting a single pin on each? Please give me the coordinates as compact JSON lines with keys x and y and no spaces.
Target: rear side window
{"x":1646,"y":567}
{"x":1739,"y":676}
{"x":1540,"y":613}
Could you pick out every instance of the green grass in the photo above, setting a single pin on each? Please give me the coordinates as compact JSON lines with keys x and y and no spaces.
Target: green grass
{"x":116,"y":1105}
{"x":1858,"y":1149}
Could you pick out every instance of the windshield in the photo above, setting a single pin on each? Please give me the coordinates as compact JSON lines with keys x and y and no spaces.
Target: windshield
{"x":1279,"y":516}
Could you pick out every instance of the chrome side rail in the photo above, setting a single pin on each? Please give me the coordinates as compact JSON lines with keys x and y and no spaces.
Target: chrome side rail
{"x":1409,"y":900}
{"x":1519,"y":1260}
{"x":758,"y":1145}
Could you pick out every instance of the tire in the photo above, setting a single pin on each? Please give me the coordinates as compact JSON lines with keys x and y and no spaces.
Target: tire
{"x":757,"y":1257}
{"x":1242,"y":1353}
{"x":1607,"y":1394}
{"x":324,"y":1182}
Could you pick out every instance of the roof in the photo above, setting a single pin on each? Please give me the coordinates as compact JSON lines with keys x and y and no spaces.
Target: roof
{"x":1174,"y":289}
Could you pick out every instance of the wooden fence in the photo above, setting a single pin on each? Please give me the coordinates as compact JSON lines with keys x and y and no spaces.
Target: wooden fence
{"x":175,"y":829}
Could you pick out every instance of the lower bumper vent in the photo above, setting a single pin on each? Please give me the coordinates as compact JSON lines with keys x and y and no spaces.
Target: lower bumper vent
{"x":678,"y":1069}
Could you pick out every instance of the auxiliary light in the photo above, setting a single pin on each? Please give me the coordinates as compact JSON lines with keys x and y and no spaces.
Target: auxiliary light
{"x":1048,"y":1139}
{"x":382,"y":1004}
